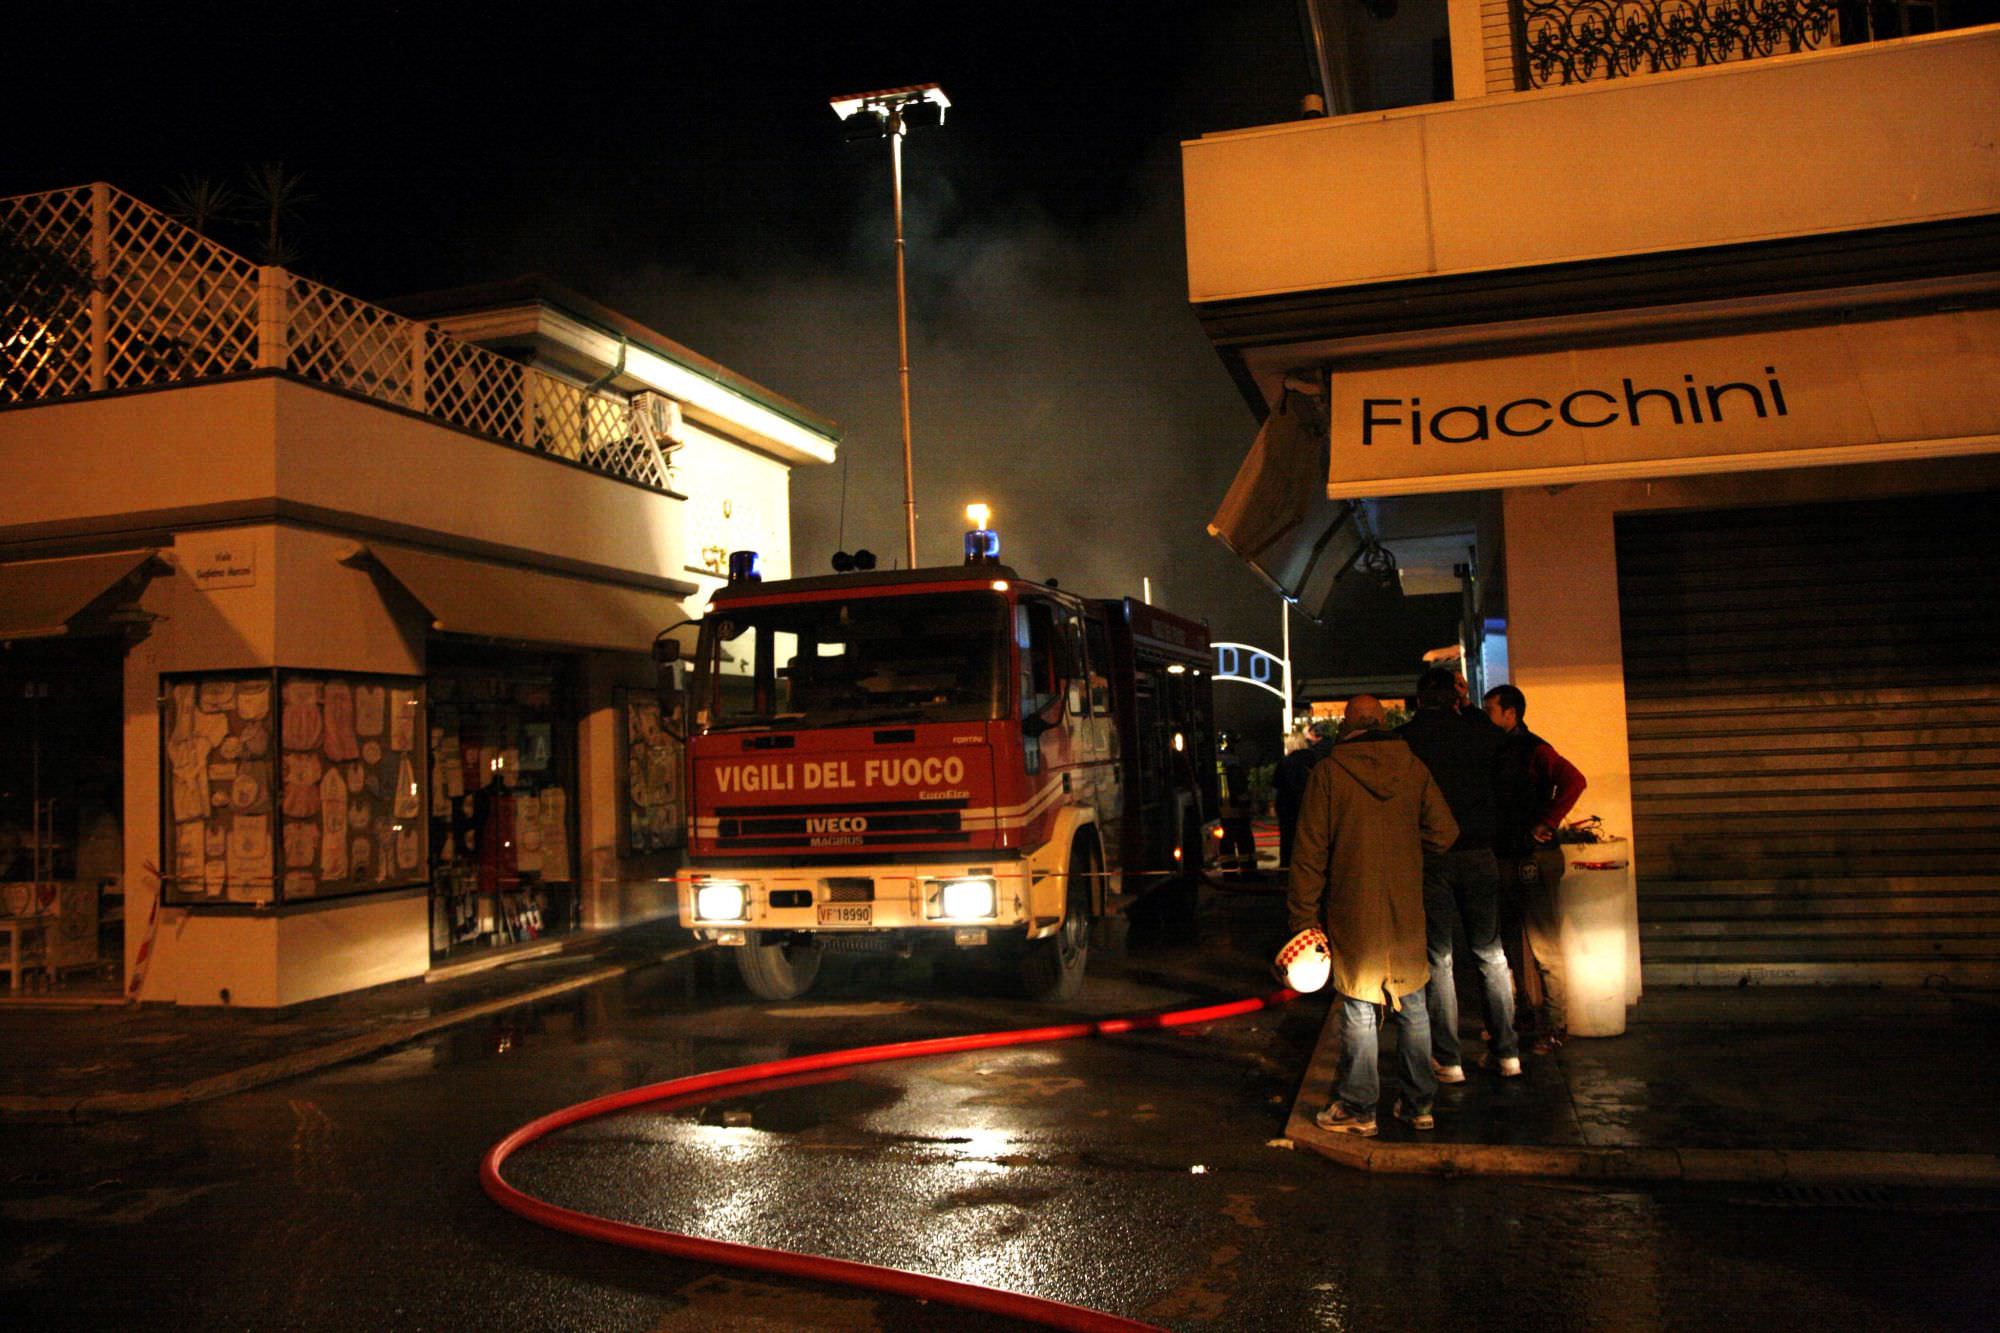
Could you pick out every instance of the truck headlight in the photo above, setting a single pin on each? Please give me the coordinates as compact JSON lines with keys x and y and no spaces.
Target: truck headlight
{"x":963,"y":898}
{"x":720,"y":900}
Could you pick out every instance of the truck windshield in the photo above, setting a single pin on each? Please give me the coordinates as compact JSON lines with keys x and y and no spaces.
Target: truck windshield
{"x":918,"y":658}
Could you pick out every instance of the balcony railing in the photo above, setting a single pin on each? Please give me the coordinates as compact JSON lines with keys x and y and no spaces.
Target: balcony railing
{"x":98,"y":291}
{"x":1583,"y":41}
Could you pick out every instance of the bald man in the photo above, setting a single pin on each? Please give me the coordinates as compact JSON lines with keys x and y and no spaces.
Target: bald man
{"x":1371,"y":811}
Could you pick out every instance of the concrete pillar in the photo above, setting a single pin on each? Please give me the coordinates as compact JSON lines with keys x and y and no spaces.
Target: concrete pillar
{"x":1564,"y":642}
{"x":274,"y":350}
{"x":1466,"y":28}
{"x":597,"y":798}
{"x":143,"y":857}
{"x":100,"y":286}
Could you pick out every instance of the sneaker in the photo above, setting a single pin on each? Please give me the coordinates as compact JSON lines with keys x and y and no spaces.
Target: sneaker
{"x":1508,"y":1066}
{"x":1337,"y":1119}
{"x":1415,"y":1117}
{"x":1448,"y":1073}
{"x":1547,"y":1043}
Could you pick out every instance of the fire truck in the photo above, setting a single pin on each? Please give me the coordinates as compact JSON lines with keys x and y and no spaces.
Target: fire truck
{"x":952,"y":758}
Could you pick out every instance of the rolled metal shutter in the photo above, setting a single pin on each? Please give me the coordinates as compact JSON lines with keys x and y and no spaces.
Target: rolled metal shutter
{"x":1813,"y":697}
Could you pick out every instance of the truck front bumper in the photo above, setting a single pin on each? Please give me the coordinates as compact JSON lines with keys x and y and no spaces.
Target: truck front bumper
{"x":958,"y":901}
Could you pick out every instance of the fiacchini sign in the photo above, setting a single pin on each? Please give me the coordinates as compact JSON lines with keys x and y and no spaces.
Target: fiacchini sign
{"x":1385,"y":420}
{"x":1909,"y":387}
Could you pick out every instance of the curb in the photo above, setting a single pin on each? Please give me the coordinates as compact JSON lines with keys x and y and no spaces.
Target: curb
{"x":69,"y":1109}
{"x":1633,"y":1164}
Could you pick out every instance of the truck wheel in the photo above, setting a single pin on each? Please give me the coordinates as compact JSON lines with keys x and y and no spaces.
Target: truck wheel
{"x":1052,"y":969}
{"x":778,"y":971}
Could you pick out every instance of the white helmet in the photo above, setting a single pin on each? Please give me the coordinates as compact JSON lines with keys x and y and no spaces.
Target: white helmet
{"x":1306,"y":961}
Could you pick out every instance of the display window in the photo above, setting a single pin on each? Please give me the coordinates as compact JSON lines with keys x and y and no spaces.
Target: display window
{"x":502,"y":798}
{"x":62,"y":851}
{"x":655,"y":814}
{"x":291,"y":786}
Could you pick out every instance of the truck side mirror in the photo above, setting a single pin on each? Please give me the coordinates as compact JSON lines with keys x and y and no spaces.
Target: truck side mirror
{"x":666,"y":652}
{"x":1034,"y":724}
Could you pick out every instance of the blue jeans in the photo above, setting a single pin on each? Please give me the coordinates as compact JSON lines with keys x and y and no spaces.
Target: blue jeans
{"x":1466,"y":886}
{"x":1360,"y":1083}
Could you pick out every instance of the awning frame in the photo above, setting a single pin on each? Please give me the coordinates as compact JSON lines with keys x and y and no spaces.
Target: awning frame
{"x":44,"y":598}
{"x":483,"y":599}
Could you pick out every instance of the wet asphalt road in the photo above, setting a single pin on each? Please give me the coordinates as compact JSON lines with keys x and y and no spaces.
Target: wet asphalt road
{"x":1134,"y":1174}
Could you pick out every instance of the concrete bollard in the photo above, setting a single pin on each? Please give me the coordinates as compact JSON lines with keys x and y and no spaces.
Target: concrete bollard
{"x":1594,"y":900}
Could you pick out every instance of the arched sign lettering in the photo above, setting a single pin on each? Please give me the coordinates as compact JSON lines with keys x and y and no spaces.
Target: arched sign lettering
{"x":1251,"y":666}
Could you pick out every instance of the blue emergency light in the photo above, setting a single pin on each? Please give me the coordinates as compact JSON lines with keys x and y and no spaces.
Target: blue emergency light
{"x":982,"y":547}
{"x":743,"y":567}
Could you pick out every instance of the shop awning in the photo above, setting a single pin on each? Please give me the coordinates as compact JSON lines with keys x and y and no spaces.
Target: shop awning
{"x":467,"y":596}
{"x":1277,"y":518}
{"x":39,"y":598}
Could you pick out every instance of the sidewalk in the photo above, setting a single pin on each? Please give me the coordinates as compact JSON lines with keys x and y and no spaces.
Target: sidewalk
{"x":1805,"y":1086}
{"x":80,"y":1063}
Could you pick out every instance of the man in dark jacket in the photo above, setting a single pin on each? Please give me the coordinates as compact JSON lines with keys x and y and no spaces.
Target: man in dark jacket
{"x":1537,"y":789}
{"x":1462,"y":883}
{"x":1371,"y":811}
{"x":1236,"y":858}
{"x":1288,"y":785}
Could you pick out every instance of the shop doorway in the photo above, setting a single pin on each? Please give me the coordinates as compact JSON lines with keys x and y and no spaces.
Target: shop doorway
{"x":62,"y":794}
{"x":503,"y":798}
{"x":1814,"y":711}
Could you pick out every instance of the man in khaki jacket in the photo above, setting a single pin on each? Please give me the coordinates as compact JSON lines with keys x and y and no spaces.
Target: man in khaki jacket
{"x":1370,"y":812}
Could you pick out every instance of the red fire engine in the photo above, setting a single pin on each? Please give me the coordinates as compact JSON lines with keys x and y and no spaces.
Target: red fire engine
{"x":953,"y":757}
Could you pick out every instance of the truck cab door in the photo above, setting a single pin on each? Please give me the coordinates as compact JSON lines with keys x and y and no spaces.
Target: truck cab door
{"x":1053,"y":720}
{"x":1041,"y":699}
{"x":1107,"y":768}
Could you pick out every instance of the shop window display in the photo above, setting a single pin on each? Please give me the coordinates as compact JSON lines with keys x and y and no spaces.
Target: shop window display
{"x":291,"y":786}
{"x":655,"y":817}
{"x":61,"y":800}
{"x":502,"y":756}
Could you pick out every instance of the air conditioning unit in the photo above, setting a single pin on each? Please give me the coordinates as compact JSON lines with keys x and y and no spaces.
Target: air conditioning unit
{"x":657,"y":418}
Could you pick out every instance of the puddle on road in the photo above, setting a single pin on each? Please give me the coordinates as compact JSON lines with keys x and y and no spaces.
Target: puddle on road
{"x":996,"y":1196}
{"x":408,"y":1062}
{"x":797,"y":1110}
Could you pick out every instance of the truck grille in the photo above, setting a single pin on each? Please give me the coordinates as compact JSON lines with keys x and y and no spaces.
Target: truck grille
{"x":887,"y":825}
{"x":850,"y":890}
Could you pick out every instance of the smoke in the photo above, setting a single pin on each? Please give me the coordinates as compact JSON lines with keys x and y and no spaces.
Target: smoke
{"x":1057,"y":374}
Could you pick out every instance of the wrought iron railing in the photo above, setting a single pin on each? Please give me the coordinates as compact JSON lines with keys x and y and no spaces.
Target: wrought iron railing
{"x":1582,"y":41}
{"x":99,"y":291}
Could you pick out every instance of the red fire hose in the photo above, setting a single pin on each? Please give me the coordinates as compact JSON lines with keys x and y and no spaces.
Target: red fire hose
{"x":800,"y":1070}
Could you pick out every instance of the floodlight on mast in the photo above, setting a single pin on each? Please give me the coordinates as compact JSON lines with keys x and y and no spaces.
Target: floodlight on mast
{"x":890,"y":113}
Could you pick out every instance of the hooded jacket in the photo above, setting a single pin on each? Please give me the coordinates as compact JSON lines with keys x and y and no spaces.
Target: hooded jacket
{"x":1371,"y":810}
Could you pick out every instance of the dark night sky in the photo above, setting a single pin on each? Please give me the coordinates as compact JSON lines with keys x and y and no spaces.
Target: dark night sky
{"x":679,"y":162}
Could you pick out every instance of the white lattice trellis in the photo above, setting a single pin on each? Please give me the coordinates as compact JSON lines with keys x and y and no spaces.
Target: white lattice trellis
{"x":180,"y":307}
{"x":475,"y":389}
{"x":336,"y":339}
{"x":634,"y":454}
{"x":99,"y":291}
{"x":594,"y":429}
{"x":45,"y":289}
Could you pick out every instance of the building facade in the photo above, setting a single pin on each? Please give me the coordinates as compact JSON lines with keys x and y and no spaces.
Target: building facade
{"x":325,"y":630}
{"x":1691,"y":340}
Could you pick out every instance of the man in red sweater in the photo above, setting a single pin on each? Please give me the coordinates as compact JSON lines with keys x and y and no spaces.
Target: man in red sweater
{"x":1534,"y":790}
